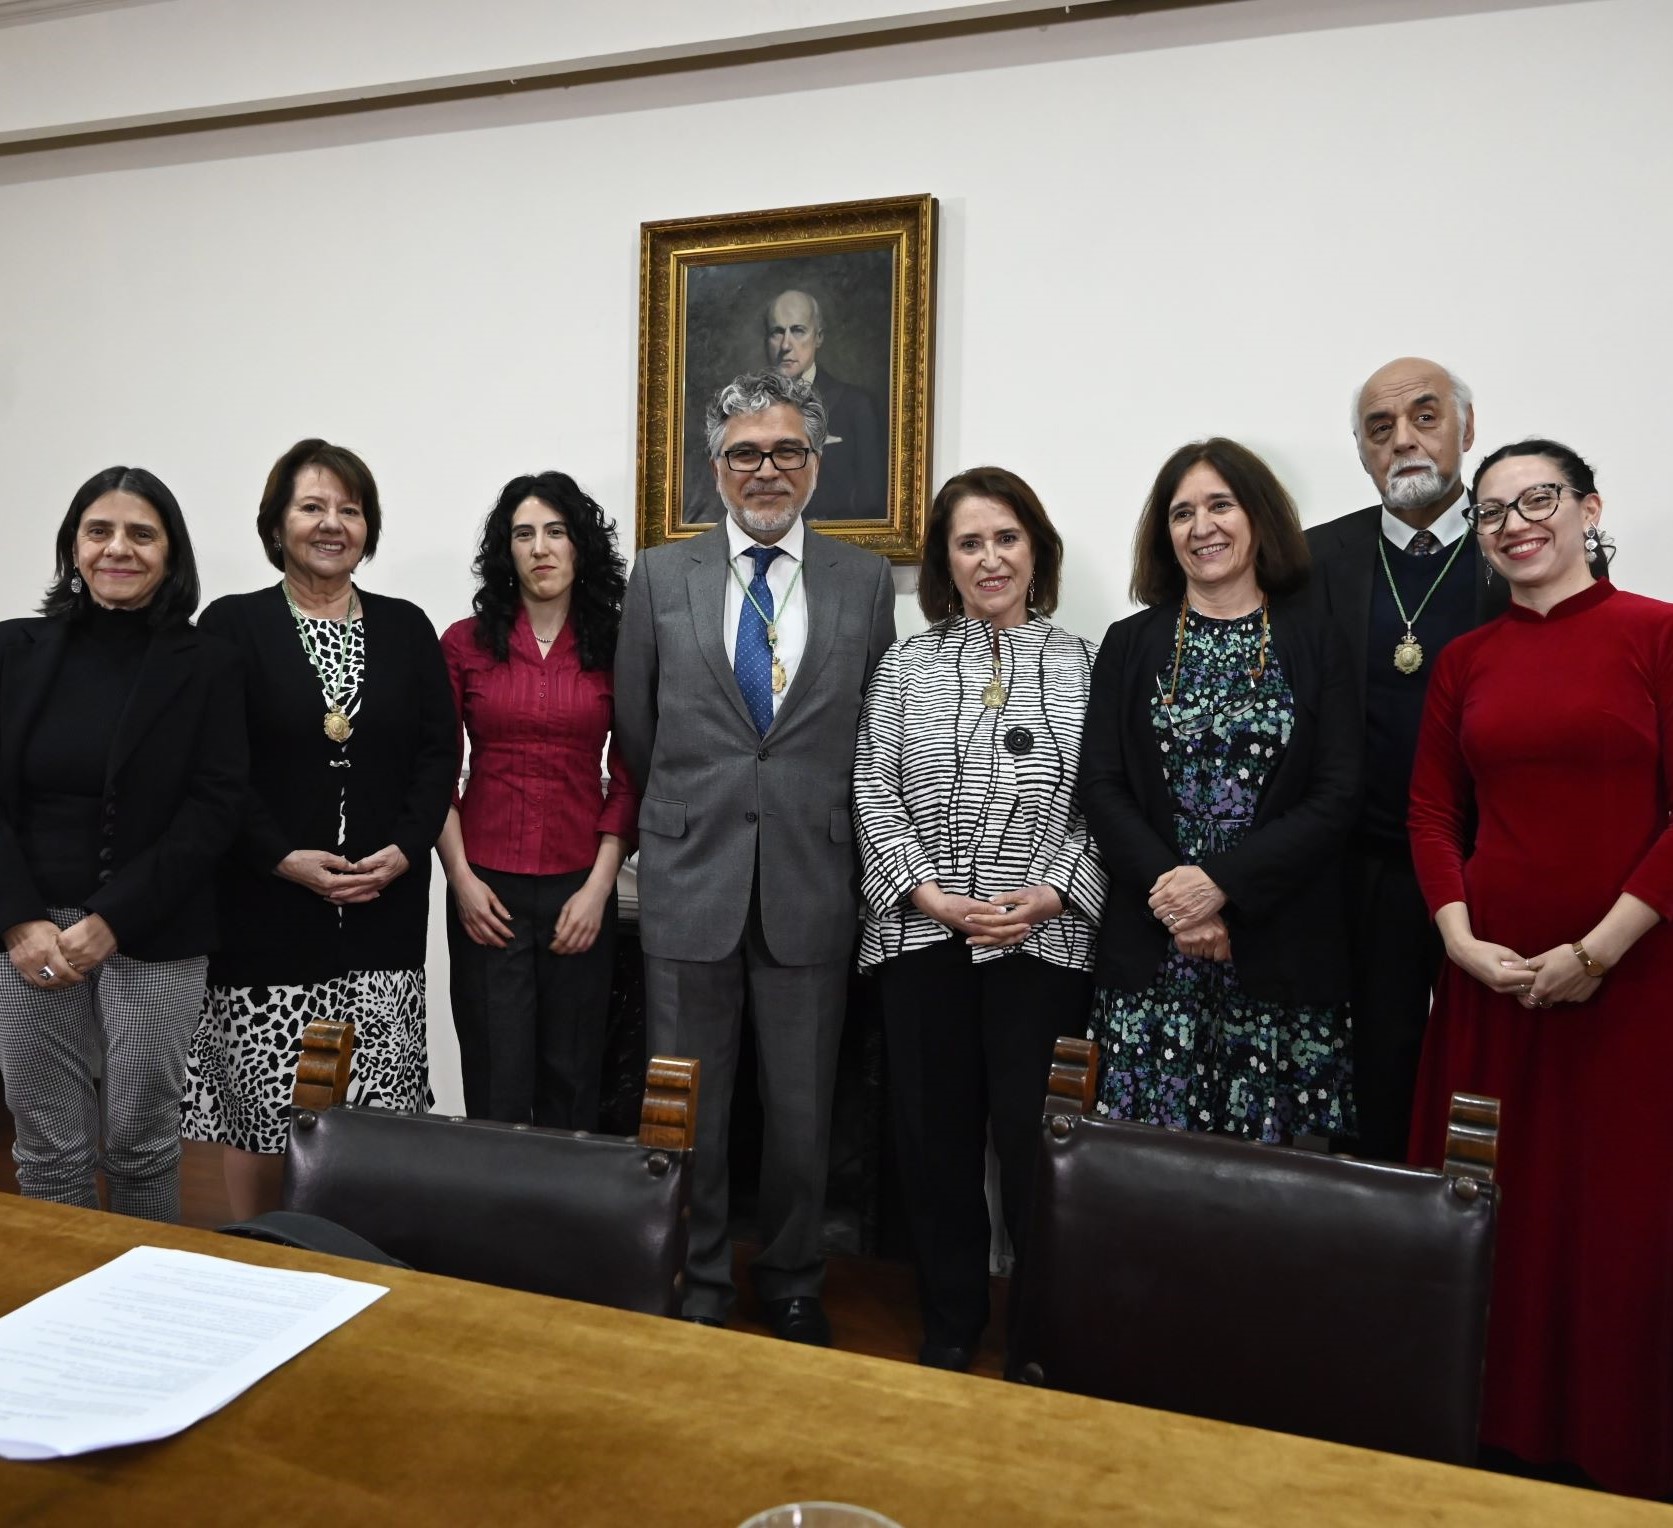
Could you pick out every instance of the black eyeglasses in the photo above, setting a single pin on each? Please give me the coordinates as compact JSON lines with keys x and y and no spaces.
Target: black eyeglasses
{"x":749,"y":458}
{"x":1537,"y":503}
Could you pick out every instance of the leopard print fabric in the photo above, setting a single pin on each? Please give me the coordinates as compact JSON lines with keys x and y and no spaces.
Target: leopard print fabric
{"x":243,"y":1059}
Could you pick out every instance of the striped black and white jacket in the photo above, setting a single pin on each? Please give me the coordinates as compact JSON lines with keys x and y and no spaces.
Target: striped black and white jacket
{"x":978,"y":800}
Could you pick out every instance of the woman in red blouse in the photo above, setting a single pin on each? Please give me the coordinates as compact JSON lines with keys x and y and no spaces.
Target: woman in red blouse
{"x":532,"y":848}
{"x":1552,"y":728}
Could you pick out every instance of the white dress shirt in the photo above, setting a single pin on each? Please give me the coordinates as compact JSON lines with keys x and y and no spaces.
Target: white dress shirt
{"x":1446,"y":530}
{"x":789,"y":617}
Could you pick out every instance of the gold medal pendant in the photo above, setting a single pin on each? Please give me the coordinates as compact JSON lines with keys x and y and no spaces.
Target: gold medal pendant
{"x":779,"y":678}
{"x":993,"y":694}
{"x":337,"y":726}
{"x":1408,"y":654}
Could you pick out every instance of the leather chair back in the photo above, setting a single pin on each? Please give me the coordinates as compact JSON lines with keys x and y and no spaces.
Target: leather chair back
{"x":586,"y":1217}
{"x":1279,"y":1288}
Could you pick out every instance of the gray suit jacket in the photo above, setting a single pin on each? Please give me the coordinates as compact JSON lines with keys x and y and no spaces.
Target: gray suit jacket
{"x":720,"y":799}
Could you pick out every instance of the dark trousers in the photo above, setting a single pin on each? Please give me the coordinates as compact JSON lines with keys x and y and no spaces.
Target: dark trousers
{"x":530,"y":1023}
{"x":1397,"y":955}
{"x":969,"y":1050}
{"x":695,"y":1008}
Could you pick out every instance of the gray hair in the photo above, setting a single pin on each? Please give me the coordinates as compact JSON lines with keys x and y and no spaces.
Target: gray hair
{"x":754,"y":393}
{"x":1462,"y":398}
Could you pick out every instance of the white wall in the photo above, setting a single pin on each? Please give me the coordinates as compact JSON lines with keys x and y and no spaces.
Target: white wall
{"x":1153,"y":228}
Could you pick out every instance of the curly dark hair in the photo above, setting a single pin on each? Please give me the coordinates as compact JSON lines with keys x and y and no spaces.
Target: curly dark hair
{"x":595,"y":603}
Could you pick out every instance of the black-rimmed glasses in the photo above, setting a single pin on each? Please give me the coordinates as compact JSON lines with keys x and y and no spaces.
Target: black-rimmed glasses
{"x":1532,"y":504}
{"x":749,"y":458}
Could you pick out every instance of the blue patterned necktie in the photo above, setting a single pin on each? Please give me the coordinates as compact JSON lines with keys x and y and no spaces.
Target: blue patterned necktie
{"x":752,"y":659}
{"x":1424,"y":544}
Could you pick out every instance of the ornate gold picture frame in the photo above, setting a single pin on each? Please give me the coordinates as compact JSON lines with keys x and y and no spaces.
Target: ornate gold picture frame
{"x":843,"y":294}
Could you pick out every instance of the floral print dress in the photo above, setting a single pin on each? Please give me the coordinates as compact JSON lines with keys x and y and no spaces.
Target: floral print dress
{"x":1194,"y":1051}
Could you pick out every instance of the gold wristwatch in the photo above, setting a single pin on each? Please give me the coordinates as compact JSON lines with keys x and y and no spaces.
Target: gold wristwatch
{"x":1591,"y":967}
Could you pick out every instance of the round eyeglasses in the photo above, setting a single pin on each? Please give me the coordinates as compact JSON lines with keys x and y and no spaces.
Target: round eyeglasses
{"x":1536,"y":503}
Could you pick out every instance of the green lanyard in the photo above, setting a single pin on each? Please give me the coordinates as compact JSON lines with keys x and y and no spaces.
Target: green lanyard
{"x":1408,"y":652}
{"x":766,"y":620}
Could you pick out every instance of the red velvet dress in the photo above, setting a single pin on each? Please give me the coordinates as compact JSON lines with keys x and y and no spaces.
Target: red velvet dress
{"x":1560,"y":728}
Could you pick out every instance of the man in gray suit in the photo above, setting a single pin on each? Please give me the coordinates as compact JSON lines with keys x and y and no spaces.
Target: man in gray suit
{"x":743,"y":656}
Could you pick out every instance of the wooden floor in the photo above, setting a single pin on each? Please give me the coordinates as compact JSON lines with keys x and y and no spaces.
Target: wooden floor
{"x":872,"y":1303}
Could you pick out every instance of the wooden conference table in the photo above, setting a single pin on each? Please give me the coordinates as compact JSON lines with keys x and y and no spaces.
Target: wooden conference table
{"x":457,"y":1403}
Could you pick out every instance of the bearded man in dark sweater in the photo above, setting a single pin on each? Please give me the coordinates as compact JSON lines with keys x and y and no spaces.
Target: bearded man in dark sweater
{"x":1402,"y":578}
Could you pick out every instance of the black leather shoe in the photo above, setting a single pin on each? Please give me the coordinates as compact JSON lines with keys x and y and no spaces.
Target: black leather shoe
{"x":935,"y":1355}
{"x":705,"y":1321}
{"x":800,"y":1319}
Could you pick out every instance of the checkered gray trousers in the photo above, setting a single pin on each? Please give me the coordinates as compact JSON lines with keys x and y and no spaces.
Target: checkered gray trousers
{"x":140,"y":1016}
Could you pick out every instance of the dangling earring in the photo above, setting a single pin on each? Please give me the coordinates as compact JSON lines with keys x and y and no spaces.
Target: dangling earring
{"x":1030,"y":591}
{"x":75,"y":582}
{"x":1592,"y":541}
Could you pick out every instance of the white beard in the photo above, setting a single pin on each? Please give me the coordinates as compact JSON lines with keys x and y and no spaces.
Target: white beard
{"x":1420,"y":490}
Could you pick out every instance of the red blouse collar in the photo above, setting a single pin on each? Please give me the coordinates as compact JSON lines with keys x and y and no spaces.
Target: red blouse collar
{"x":522,"y":629}
{"x":1575,"y":604}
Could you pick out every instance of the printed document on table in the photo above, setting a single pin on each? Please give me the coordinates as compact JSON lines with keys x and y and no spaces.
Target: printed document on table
{"x":153,"y":1342}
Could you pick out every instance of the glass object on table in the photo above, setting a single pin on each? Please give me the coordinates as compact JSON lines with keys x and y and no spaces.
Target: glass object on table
{"x":819,"y":1514}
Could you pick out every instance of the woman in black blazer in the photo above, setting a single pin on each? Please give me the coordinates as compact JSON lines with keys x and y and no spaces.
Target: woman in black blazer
{"x":122,"y":774}
{"x":326,"y":899}
{"x":1220,"y":777}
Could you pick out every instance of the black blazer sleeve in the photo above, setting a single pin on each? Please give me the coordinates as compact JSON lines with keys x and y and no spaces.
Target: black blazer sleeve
{"x":1317,"y":796}
{"x":146,"y":891}
{"x":436,"y":761}
{"x":1134,"y":852}
{"x":260,"y":842}
{"x":20,"y":901}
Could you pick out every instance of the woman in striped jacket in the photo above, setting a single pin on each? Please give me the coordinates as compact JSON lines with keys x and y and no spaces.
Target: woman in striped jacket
{"x":982,"y":889}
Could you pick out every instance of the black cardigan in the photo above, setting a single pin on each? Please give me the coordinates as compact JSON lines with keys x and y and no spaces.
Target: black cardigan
{"x":1283,"y":882}
{"x":399,"y":780}
{"x":174,"y":785}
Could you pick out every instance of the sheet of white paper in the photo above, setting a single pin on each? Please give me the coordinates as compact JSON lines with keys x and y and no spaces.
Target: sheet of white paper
{"x":153,"y":1342}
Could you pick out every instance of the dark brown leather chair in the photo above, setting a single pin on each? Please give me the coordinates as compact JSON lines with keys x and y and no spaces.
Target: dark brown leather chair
{"x":587,"y":1217}
{"x":1278,"y":1288}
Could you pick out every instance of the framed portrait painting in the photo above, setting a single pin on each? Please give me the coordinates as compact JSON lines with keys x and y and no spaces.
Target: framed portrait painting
{"x":842,"y":295}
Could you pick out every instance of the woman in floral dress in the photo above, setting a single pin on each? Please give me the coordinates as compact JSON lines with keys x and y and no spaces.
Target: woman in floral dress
{"x":1220,"y":775}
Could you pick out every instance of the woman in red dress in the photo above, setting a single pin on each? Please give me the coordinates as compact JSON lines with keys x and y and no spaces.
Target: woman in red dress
{"x":1552,"y":729}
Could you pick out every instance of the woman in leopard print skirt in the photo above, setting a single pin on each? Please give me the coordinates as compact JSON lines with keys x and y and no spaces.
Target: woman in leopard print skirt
{"x":325,"y":902}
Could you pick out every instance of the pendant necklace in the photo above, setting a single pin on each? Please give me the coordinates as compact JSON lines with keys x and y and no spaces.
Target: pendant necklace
{"x":1179,"y":648}
{"x":993,"y":692}
{"x":780,"y":678}
{"x":1408,"y":651}
{"x":337,"y":725}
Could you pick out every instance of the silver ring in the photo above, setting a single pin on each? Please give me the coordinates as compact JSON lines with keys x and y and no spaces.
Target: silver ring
{"x":47,"y":974}
{"x":1170,"y":919}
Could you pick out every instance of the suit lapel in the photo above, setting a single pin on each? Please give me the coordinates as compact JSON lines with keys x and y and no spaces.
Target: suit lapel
{"x":23,"y":689}
{"x":706,"y":592}
{"x":162,"y":673}
{"x":824,"y":599}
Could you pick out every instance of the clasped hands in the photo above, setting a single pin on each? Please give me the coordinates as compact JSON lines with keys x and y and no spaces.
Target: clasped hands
{"x":69,"y":954}
{"x":1004,"y":918}
{"x":341,"y":881}
{"x":1535,"y":981}
{"x":1188,"y":904}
